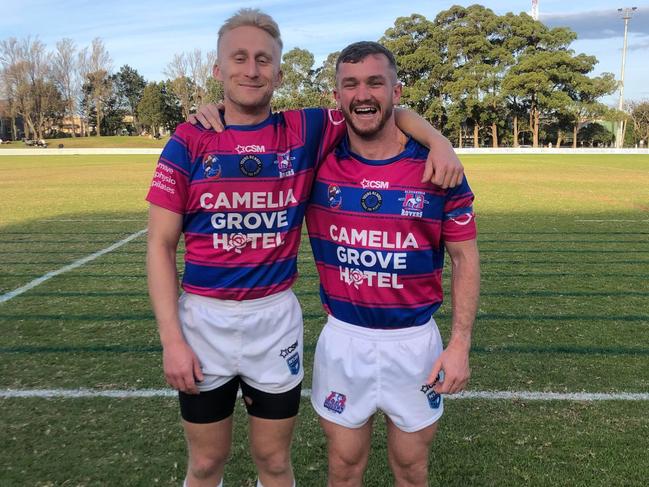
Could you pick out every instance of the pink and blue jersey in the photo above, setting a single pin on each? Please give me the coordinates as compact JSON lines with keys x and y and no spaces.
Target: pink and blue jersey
{"x":243,"y":194}
{"x":378,"y":234}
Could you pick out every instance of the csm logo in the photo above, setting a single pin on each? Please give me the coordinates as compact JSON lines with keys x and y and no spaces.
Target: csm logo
{"x":366,"y":183}
{"x":247,"y":149}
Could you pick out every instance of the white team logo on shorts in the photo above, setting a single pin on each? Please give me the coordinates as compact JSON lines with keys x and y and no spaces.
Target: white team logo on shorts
{"x":335,"y":402}
{"x":292,"y":359}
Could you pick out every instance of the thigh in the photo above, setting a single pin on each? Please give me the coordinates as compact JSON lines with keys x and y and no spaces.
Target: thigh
{"x":271,"y":436}
{"x":344,"y":378}
{"x":351,"y":445}
{"x":409,"y":448}
{"x":208,"y":440}
{"x":272,"y":347}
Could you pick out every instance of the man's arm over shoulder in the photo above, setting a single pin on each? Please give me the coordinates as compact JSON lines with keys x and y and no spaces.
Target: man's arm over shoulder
{"x":181,"y":367}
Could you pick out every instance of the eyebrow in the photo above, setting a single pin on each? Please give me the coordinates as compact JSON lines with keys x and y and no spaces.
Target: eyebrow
{"x":256,"y":54}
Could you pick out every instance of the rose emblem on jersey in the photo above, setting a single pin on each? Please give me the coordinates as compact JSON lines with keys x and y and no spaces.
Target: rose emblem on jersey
{"x":237,"y":242}
{"x":211,"y":167}
{"x":356,"y":277}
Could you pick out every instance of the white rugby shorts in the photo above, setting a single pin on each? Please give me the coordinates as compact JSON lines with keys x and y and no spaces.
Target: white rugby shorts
{"x":358,"y":371}
{"x":259,"y":340}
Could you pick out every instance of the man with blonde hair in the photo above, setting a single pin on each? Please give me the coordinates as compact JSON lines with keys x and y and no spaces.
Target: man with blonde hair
{"x":239,"y":198}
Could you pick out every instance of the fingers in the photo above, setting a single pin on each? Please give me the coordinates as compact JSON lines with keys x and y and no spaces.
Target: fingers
{"x":428,"y":171}
{"x":213,"y":115}
{"x":198,"y":373}
{"x":192,"y":119}
{"x":200,"y":116}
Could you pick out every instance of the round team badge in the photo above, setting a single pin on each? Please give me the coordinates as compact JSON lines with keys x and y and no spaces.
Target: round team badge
{"x":371,"y":200}
{"x":250,"y":165}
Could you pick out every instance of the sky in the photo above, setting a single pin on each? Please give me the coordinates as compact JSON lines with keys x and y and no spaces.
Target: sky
{"x":146,"y":34}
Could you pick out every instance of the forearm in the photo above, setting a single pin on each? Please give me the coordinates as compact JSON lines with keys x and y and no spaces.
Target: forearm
{"x":419,"y":129}
{"x":163,"y":291}
{"x":465,"y":293}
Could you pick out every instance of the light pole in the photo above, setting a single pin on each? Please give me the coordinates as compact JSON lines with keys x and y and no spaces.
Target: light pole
{"x":626,"y":14}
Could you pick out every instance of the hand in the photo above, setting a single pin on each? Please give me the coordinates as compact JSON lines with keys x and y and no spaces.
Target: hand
{"x":454,"y":361}
{"x":208,"y":116}
{"x":181,"y":367}
{"x":443,"y":168}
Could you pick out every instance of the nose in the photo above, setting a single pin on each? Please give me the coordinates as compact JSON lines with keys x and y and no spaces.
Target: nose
{"x":362,"y":92}
{"x":252,"y":70}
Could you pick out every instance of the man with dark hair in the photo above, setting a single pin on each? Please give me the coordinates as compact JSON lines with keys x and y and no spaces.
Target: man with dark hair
{"x":379,"y":249}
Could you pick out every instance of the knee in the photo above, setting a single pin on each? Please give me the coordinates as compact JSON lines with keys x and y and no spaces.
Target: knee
{"x":410,"y":472}
{"x":275,"y":462}
{"x":204,"y":466}
{"x":346,"y":467}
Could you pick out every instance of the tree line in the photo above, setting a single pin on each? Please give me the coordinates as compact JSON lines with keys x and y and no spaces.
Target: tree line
{"x":481,"y":78}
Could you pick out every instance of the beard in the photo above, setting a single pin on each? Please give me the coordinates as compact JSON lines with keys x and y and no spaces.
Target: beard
{"x":367,"y":128}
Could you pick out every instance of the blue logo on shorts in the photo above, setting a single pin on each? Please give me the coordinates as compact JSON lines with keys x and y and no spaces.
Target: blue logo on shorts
{"x":335,"y":402}
{"x":434,"y":399}
{"x":292,"y":359}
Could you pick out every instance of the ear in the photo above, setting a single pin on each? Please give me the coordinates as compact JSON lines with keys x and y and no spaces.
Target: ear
{"x":216,"y":72}
{"x":278,"y":79}
{"x":336,"y":97}
{"x":396,"y":93}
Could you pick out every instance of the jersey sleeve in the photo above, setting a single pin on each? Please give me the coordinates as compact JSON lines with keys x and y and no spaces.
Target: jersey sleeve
{"x":324,"y":128}
{"x":170,"y":183}
{"x":459,"y":219}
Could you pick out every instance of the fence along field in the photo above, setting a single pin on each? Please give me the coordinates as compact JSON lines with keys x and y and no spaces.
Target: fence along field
{"x":565,"y":265}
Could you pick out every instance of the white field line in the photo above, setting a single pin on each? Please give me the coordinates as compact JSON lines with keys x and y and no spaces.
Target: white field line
{"x":488,"y":395}
{"x":610,"y":220}
{"x":77,"y":263}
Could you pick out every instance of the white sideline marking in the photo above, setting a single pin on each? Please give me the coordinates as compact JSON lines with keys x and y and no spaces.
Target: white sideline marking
{"x":490,"y":395}
{"x":77,"y":263}
{"x":600,"y":221}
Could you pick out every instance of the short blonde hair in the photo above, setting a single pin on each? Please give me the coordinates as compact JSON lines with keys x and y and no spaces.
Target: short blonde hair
{"x":255,"y":18}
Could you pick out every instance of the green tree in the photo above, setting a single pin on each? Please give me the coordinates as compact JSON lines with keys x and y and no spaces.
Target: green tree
{"x":151,"y":108}
{"x":300,"y":88}
{"x":639,"y":115}
{"x":129,"y":88}
{"x":421,"y":52}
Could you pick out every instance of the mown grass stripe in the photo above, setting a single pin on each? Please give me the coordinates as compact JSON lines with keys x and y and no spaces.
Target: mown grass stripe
{"x":306,"y":393}
{"x":78,"y":263}
{"x":476,"y":349}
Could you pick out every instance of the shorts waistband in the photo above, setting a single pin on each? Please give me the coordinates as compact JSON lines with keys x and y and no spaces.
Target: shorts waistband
{"x":243,"y":305}
{"x":379,"y":334}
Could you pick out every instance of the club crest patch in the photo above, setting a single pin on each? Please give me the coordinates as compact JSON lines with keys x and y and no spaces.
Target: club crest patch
{"x":434,"y":399}
{"x":335,"y":196}
{"x":250,"y":165}
{"x":292,"y":358}
{"x":284,"y":165}
{"x":335,"y":402}
{"x":413,"y":203}
{"x":371,"y":200}
{"x":211,"y":167}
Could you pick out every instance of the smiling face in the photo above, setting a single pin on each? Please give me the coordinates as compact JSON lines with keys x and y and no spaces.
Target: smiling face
{"x":366,"y":92}
{"x":249,"y":67}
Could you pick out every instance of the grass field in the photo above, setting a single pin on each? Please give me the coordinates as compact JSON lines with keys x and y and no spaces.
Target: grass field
{"x":135,"y":141}
{"x":565,"y":309}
